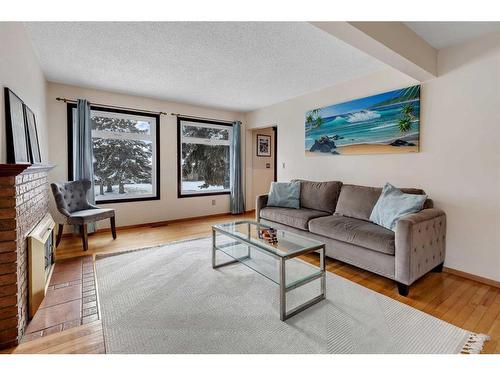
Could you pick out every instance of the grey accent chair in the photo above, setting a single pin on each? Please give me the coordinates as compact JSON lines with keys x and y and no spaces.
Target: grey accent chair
{"x":71,"y":201}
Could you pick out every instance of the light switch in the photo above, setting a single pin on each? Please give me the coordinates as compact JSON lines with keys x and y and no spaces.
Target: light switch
{"x":283,"y":165}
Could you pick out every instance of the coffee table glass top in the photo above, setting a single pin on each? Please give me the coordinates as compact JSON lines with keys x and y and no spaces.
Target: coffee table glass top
{"x":288,"y":245}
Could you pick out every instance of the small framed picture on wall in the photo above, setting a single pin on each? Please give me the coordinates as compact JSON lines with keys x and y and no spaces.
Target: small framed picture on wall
{"x":263,"y":145}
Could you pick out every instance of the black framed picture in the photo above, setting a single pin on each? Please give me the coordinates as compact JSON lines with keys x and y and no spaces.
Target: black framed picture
{"x":34,"y":146}
{"x":17,"y":140}
{"x":263,"y":145}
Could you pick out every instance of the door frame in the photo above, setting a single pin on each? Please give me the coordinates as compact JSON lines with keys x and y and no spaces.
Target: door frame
{"x":275,"y":131}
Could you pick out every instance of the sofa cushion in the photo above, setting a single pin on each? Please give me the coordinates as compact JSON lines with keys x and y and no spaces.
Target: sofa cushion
{"x":355,"y":231}
{"x":358,"y":201}
{"x":284,"y":194}
{"x":291,"y":216}
{"x":321,"y":196}
{"x":90,"y":215}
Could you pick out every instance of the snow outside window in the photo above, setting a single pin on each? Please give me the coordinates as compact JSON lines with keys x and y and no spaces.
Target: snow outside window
{"x":204,"y":157}
{"x":125,"y":150}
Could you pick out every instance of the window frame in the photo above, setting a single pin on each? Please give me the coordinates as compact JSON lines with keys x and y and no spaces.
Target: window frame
{"x":156,"y":168}
{"x":180,"y":194}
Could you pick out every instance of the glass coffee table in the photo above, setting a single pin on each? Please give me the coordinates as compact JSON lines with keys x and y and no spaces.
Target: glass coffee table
{"x":240,"y":241}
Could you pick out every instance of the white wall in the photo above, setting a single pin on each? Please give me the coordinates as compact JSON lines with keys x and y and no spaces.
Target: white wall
{"x":20,"y":72}
{"x":459,"y":162}
{"x":169,"y":206}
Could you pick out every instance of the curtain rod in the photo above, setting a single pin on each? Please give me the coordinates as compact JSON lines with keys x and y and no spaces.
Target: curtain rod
{"x":201,"y":118}
{"x":112,"y":106}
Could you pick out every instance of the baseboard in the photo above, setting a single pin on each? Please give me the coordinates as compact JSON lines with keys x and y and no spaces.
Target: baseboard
{"x":473,"y":277}
{"x":163,"y":223}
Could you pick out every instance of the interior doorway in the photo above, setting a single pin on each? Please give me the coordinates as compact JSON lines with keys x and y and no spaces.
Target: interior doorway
{"x":264,"y":160}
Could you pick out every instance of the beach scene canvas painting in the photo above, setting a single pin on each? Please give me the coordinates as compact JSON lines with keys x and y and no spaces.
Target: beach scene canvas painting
{"x":383,"y":123}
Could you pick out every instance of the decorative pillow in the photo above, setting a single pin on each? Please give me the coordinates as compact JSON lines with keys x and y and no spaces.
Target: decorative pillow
{"x":321,"y":196}
{"x":357,"y":201}
{"x":284,"y":194}
{"x":393,"y":204}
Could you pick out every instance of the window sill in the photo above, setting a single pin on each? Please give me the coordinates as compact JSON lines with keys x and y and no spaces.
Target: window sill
{"x":180,"y":195}
{"x":127,"y":200}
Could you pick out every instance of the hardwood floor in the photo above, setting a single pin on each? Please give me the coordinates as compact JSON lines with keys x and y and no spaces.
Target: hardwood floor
{"x":468,"y":304}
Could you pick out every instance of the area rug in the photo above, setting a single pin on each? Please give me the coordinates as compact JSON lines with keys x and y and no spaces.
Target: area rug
{"x":168,"y":299}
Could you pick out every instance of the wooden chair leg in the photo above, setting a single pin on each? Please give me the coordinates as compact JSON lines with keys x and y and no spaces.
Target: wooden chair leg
{"x":85,"y":237}
{"x":113,"y":227}
{"x":59,"y":234}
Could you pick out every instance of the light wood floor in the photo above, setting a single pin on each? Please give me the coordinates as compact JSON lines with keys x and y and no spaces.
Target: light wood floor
{"x":462,"y":302}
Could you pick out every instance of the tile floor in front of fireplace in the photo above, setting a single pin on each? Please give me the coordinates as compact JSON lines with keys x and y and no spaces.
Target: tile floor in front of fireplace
{"x":71,"y":299}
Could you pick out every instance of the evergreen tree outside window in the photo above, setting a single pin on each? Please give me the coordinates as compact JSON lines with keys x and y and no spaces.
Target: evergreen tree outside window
{"x":125,"y":153}
{"x":204,"y":157}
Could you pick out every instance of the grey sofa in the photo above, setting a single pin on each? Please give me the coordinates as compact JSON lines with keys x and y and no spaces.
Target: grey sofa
{"x":338,"y":214}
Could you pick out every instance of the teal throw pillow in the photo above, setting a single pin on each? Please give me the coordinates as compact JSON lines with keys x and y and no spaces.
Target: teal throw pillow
{"x":284,"y":194}
{"x":393,"y":204}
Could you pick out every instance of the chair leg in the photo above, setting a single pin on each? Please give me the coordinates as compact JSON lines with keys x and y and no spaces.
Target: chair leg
{"x":59,"y":234}
{"x":113,"y":227}
{"x":85,"y":237}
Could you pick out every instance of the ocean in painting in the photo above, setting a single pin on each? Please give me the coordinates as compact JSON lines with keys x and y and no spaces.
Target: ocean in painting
{"x":383,"y":123}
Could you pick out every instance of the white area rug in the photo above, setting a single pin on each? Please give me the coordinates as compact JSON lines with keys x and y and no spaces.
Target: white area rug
{"x":168,"y":299}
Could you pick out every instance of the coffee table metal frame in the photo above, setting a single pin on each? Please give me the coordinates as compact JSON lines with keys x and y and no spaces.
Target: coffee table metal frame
{"x":283,"y":288}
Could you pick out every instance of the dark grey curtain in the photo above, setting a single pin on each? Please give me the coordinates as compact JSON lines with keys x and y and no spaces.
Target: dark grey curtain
{"x":83,"y":160}
{"x":237,"y":202}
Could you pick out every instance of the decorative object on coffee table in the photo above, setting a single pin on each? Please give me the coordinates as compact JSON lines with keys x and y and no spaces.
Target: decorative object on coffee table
{"x":34,"y":146}
{"x":269,"y":235}
{"x":263,"y":145}
{"x":17,"y":141}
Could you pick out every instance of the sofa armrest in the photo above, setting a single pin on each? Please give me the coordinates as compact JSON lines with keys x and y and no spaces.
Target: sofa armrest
{"x":260,"y":203}
{"x":420,"y":244}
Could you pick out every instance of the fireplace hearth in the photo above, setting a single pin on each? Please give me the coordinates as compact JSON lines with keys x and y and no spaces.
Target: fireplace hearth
{"x":24,"y":202}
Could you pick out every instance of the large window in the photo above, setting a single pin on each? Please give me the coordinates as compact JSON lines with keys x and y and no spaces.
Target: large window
{"x":204,"y":157}
{"x":125,"y":148}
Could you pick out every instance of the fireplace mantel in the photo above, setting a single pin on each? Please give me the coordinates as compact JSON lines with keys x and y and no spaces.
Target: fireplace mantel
{"x":24,"y":201}
{"x":16,"y":169}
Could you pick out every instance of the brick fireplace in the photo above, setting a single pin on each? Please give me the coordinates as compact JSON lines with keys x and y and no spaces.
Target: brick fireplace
{"x":24,"y":201}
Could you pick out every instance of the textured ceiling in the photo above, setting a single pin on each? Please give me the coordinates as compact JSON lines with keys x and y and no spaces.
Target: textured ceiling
{"x":446,"y":34}
{"x":232,"y":65}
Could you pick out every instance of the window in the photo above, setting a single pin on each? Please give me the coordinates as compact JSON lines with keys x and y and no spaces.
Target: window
{"x":204,"y":157}
{"x":126,"y":155}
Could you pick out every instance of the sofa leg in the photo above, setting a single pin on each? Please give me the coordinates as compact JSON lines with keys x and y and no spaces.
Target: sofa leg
{"x":85,"y":237}
{"x":113,"y":227}
{"x":438,"y":268}
{"x":403,"y":289}
{"x":59,"y":234}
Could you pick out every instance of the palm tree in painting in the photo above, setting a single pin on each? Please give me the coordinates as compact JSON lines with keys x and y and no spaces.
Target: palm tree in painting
{"x":309,"y":119}
{"x":404,"y":123}
{"x":407,"y":110}
{"x":313,"y":119}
